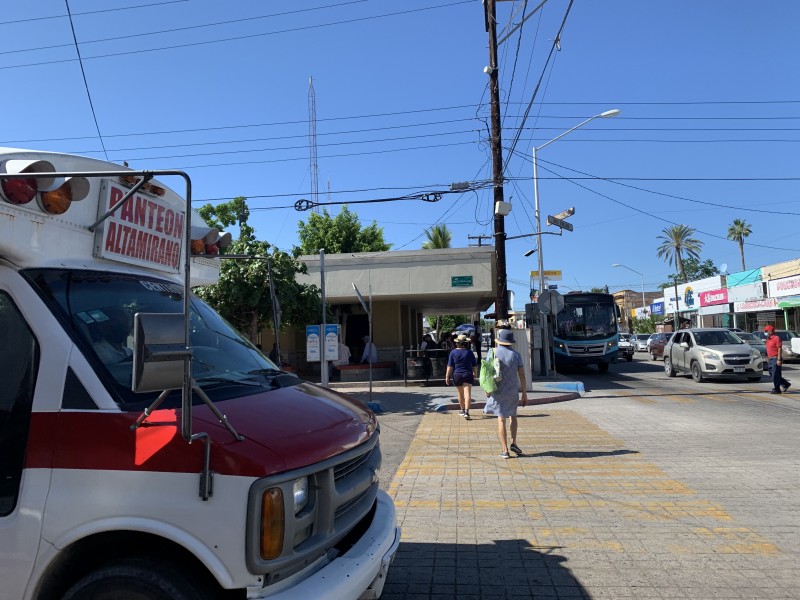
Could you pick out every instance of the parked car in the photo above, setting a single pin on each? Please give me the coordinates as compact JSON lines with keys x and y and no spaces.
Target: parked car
{"x":754,"y":341}
{"x":786,"y":339}
{"x":641,"y":341}
{"x":626,"y":346}
{"x":711,"y":352}
{"x":656,"y":344}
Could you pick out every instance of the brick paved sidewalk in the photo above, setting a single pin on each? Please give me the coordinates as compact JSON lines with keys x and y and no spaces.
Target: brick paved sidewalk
{"x":581,"y":515}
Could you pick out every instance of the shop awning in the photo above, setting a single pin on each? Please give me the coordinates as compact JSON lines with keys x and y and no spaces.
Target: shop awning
{"x":789,"y":302}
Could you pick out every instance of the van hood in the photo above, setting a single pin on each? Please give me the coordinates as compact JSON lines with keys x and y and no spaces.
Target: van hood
{"x":284,"y":429}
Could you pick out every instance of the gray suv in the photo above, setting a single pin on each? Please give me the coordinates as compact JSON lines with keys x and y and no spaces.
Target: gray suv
{"x":711,"y":352}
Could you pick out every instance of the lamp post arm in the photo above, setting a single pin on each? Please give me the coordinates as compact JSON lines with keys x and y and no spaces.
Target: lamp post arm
{"x":581,"y":124}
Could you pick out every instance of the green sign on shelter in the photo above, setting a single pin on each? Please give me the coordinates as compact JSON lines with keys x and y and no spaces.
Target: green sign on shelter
{"x":461,"y":281}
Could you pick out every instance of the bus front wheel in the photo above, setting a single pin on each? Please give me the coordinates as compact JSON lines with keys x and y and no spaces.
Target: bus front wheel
{"x":602,"y":367}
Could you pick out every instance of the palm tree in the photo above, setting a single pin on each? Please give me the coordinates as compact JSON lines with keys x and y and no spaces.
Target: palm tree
{"x":737,"y":231}
{"x":677,"y":241}
{"x":438,"y":237}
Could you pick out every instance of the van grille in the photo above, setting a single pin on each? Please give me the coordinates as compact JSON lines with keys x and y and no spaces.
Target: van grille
{"x":341,"y":493}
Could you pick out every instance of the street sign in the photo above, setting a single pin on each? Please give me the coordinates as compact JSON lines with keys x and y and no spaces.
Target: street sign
{"x":551,"y":220}
{"x":461,"y":281}
{"x":565,"y":213}
{"x":551,"y":302}
{"x":552,"y":275}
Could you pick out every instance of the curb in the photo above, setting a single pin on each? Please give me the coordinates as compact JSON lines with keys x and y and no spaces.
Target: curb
{"x":531,"y":402}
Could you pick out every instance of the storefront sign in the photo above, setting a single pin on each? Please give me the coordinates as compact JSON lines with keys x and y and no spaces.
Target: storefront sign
{"x":786,"y":286}
{"x":657,"y":308}
{"x":749,"y":291}
{"x":461,"y":281}
{"x":713,"y":297}
{"x":755,"y":305}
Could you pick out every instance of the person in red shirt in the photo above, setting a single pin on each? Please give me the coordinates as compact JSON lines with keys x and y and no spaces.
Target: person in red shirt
{"x":775,"y":358}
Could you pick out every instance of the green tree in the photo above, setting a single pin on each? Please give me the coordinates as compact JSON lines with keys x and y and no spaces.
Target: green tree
{"x":678,"y":241}
{"x":694,"y":270}
{"x":737,"y":231}
{"x":438,"y":237}
{"x":338,"y":235}
{"x":242,"y":293}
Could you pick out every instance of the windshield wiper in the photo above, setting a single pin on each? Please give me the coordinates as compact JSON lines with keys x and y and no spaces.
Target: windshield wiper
{"x":268,"y":372}
{"x":228,"y":380}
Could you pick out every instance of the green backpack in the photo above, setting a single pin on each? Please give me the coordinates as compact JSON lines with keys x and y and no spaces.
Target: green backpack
{"x":486,"y":378}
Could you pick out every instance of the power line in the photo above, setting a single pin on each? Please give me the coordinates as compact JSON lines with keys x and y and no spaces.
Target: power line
{"x":187,"y":28}
{"x":85,"y":82}
{"x":244,"y":37}
{"x":634,"y":208}
{"x":91,"y":12}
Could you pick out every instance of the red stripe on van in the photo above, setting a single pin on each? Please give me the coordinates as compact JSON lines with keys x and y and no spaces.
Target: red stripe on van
{"x":283,"y":429}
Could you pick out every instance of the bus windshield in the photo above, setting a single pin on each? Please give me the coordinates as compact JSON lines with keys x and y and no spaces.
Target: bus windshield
{"x":589,"y":321}
{"x":97,"y":310}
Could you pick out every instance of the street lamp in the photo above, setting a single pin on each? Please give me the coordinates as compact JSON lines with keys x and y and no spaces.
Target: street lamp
{"x":545,"y":337}
{"x":639,"y":274}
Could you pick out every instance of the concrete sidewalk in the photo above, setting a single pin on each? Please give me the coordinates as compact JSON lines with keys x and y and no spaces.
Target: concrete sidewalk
{"x":579,"y":515}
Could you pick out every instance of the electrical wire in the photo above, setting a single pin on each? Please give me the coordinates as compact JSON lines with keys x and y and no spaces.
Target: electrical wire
{"x":245,"y":37}
{"x":187,"y":28}
{"x":92,"y":12}
{"x":536,"y":89}
{"x":653,"y":216}
{"x":85,"y":82}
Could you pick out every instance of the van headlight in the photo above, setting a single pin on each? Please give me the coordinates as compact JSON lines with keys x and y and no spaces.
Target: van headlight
{"x":300,"y":493}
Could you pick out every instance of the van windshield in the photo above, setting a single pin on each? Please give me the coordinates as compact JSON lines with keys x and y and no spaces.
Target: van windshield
{"x":97,"y":310}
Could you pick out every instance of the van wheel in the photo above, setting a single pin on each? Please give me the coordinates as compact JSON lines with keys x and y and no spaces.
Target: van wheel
{"x":138,"y":579}
{"x":697,"y":373}
{"x":668,"y":368}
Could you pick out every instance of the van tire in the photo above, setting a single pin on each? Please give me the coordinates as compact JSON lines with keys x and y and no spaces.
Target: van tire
{"x":697,"y":373}
{"x":139,"y":579}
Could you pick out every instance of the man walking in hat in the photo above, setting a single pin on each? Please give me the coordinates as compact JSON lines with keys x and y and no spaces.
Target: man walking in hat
{"x":775,"y":358}
{"x":504,"y":400}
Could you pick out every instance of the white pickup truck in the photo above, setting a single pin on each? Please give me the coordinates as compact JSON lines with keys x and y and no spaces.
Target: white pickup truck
{"x":627,"y":346}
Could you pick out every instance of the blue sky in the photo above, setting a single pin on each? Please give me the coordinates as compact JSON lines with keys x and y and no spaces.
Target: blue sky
{"x":709,"y":128}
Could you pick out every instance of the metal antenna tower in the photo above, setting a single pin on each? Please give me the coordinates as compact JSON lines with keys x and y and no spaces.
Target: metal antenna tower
{"x":313,"y":167}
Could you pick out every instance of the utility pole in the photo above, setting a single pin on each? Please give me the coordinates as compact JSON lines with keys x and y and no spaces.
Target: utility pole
{"x":480,"y":239}
{"x":501,"y":300}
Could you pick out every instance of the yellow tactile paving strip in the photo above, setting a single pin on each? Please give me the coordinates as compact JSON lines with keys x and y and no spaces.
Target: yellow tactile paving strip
{"x":577,"y":488}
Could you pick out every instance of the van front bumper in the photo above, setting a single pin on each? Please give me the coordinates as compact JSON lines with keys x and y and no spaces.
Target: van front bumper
{"x":360,"y":573}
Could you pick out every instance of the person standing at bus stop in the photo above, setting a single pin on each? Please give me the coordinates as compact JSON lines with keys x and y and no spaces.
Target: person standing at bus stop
{"x":461,"y":369}
{"x":775,"y":358}
{"x":504,"y":400}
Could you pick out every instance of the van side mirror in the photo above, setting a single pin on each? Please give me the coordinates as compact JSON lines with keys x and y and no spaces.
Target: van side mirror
{"x":160,"y":353}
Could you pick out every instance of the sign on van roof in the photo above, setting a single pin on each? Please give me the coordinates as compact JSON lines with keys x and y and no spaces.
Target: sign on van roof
{"x":148,"y":230}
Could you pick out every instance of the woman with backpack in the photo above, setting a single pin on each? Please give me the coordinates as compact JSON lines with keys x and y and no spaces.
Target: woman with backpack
{"x":509,"y":376}
{"x":461,"y":369}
